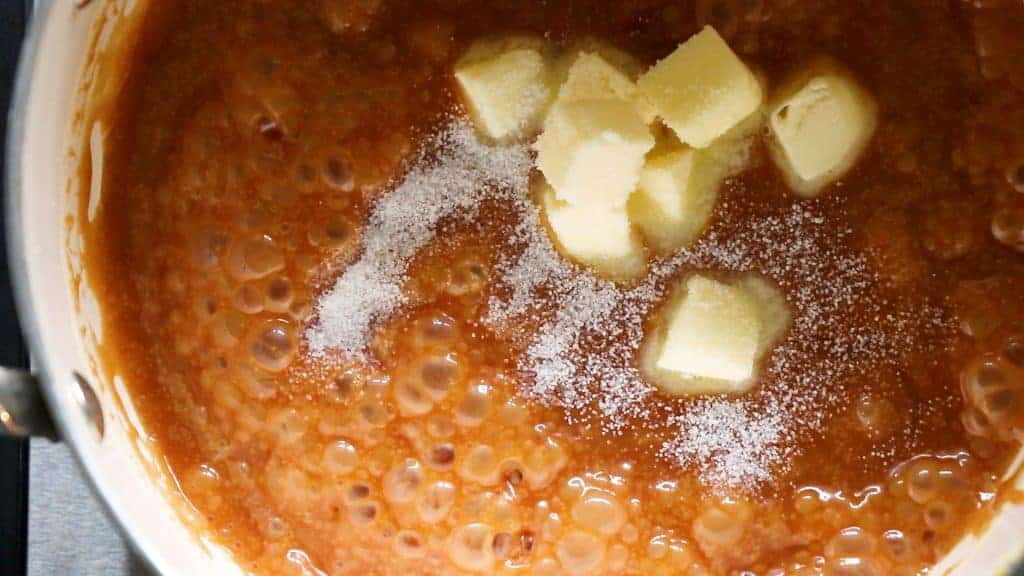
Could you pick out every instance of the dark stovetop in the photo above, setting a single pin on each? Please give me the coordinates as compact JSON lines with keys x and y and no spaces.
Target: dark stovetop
{"x":13,"y":453}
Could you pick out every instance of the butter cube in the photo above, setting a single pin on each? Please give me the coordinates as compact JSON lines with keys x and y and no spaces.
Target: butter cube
{"x":674,"y":198}
{"x":773,"y":312}
{"x":601,"y":74}
{"x":702,"y":90}
{"x":619,"y":59}
{"x":596,"y":236}
{"x":733,"y":150}
{"x":591,"y":152}
{"x":506,"y":85}
{"x":679,"y":185}
{"x":820,"y":122}
{"x":713,"y":334}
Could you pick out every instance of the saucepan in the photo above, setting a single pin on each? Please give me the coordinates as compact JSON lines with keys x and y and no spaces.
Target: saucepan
{"x":63,"y":77}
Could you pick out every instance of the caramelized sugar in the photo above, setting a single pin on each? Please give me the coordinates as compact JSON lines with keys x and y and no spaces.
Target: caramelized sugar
{"x":248,"y":146}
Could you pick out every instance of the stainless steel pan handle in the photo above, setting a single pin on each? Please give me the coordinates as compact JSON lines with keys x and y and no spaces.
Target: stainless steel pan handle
{"x":22,"y":409}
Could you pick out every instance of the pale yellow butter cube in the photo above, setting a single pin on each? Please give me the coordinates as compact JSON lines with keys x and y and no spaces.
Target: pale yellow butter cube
{"x":679,"y":185}
{"x":619,"y":59}
{"x":593,"y":76}
{"x":591,"y":152}
{"x":772,"y":309}
{"x":599,"y":237}
{"x":733,"y":150}
{"x":820,"y":123}
{"x":713,"y":333}
{"x":674,"y":198}
{"x":506,"y":86}
{"x":702,"y":90}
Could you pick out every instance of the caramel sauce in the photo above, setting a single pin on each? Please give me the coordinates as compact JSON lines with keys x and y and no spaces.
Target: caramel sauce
{"x":251,"y":140}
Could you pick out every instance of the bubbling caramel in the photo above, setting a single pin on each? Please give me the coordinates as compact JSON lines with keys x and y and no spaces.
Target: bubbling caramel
{"x":255,"y":139}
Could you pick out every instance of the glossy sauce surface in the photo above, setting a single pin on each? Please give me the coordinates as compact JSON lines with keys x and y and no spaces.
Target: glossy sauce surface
{"x":252,"y":139}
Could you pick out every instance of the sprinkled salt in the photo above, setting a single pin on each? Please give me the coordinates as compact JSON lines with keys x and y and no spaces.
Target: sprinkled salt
{"x":579,"y":350}
{"x":727,"y":441}
{"x":453,"y":174}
